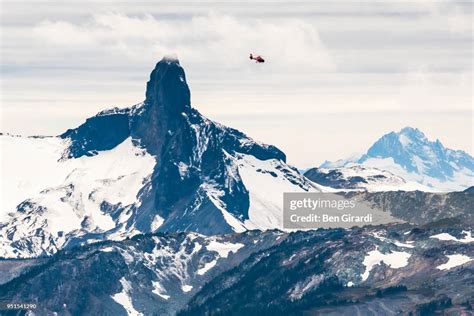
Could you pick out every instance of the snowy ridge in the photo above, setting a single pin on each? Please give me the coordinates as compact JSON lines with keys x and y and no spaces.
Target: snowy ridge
{"x":358,"y":177}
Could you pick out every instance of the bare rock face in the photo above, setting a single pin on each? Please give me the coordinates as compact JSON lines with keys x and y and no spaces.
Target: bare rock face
{"x":161,"y":116}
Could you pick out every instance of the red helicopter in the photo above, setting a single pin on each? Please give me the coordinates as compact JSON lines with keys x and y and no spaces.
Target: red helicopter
{"x":258,"y":59}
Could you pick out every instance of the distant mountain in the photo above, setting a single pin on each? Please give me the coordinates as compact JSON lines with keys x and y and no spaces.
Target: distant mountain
{"x":410,"y":155}
{"x":361,"y":178}
{"x":470,"y":189}
{"x":156,"y":166}
{"x":418,"y":207}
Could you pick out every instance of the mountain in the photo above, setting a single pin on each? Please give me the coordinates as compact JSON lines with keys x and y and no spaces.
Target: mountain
{"x":156,"y":210}
{"x":410,"y":155}
{"x":156,"y":166}
{"x":470,"y":189}
{"x":419,"y":207}
{"x":361,"y":178}
{"x":370,"y":271}
{"x":153,"y":274}
{"x":389,"y":270}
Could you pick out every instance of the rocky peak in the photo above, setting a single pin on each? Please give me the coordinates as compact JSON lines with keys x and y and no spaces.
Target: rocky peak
{"x":415,"y":153}
{"x":167,"y":89}
{"x":196,"y":174}
{"x":163,"y":115}
{"x":411,"y":132}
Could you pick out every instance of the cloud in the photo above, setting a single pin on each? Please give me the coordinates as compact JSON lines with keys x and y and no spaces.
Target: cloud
{"x":223,"y":38}
{"x":454,"y":15}
{"x":425,"y":91}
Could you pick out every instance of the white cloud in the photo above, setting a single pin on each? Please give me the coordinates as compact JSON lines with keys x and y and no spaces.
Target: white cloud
{"x":222,"y":38}
{"x":449,"y":13}
{"x":422,"y":91}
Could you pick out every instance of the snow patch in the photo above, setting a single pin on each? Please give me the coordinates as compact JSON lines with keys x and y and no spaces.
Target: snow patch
{"x":395,"y":242}
{"x":156,"y":223}
{"x":214,"y":195}
{"x":403,"y":245}
{"x":404,"y":140}
{"x":123,"y":298}
{"x":447,"y":237}
{"x":183,"y":169}
{"x":207,"y":267}
{"x":223,"y":248}
{"x":158,"y":290}
{"x":419,"y":163}
{"x":107,"y":249}
{"x":394,"y":260}
{"x":454,"y":261}
{"x":301,"y":288}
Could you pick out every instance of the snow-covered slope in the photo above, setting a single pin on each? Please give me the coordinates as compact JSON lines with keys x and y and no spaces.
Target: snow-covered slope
{"x":156,"y":166}
{"x":362,"y":178}
{"x":29,"y":165}
{"x":410,"y":155}
{"x":276,"y":177}
{"x":46,"y":200}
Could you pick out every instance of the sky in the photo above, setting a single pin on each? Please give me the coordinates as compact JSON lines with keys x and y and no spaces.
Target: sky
{"x":338,"y":74}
